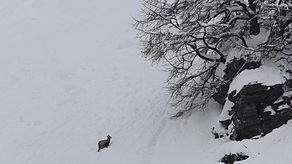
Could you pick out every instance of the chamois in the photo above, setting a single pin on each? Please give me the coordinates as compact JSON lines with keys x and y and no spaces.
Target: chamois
{"x":104,"y":143}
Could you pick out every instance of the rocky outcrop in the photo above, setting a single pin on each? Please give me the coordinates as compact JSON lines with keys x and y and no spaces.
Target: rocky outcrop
{"x":232,"y":69}
{"x":231,"y":158}
{"x":259,"y":109}
{"x":221,"y":93}
{"x":238,"y":65}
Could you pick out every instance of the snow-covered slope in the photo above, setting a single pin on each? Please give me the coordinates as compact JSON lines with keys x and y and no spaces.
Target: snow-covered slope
{"x":71,"y":74}
{"x":273,"y":148}
{"x":187,"y":140}
{"x":190,"y":141}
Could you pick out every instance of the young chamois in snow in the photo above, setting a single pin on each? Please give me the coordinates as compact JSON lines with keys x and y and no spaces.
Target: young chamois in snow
{"x":104,"y":143}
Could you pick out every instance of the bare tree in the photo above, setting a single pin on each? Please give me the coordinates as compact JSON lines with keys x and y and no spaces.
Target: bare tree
{"x":195,"y":37}
{"x":277,"y":18}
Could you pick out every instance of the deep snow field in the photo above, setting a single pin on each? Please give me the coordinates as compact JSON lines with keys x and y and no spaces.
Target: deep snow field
{"x":71,"y":73}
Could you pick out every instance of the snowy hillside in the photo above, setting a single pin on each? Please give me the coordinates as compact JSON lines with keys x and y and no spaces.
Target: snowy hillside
{"x":190,"y":141}
{"x":71,"y":74}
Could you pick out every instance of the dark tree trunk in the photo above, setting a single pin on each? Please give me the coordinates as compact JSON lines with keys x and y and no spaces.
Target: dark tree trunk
{"x":254,"y":24}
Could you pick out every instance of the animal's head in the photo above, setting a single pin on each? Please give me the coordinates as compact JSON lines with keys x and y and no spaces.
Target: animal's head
{"x":109,"y":137}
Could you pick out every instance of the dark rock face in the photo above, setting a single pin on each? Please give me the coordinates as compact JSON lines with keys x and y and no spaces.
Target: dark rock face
{"x":255,"y":94}
{"x":222,"y":93}
{"x":232,"y":69}
{"x":246,"y":122}
{"x":265,"y":93}
{"x":258,"y":110}
{"x":283,"y":113}
{"x":237,"y":66}
{"x":231,"y":158}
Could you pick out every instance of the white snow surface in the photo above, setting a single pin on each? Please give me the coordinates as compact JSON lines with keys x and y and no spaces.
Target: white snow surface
{"x":71,"y":74}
